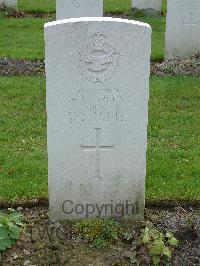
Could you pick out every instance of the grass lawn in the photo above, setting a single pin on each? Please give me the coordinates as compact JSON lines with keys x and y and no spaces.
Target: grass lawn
{"x":173,"y":152}
{"x":23,"y":164}
{"x":158,"y":36}
{"x":46,"y":6}
{"x":173,"y":167}
{"x":43,"y":6}
{"x":23,"y":38}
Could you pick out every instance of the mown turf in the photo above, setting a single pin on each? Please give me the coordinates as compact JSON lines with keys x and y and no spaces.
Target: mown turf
{"x":23,"y":163}
{"x":23,"y":38}
{"x":173,"y":166}
{"x":117,"y":6}
{"x":158,"y":36}
{"x":35,"y":6}
{"x":48,"y":6}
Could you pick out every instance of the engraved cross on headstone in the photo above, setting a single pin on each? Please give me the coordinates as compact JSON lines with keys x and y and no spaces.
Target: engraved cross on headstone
{"x":190,"y":24}
{"x":98,"y":148}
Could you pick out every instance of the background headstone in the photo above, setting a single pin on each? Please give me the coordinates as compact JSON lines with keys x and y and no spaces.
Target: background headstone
{"x":78,"y":8}
{"x":183,"y":28}
{"x":97,"y":73}
{"x":147,"y":4}
{"x":8,"y":3}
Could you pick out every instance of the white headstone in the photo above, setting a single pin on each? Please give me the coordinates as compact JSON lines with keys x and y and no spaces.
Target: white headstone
{"x":147,"y":4}
{"x":97,"y":72}
{"x":78,"y":8}
{"x":183,"y":28}
{"x":8,"y":3}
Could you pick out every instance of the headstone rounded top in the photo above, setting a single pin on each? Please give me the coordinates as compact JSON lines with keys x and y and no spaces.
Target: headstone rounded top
{"x":97,"y":72}
{"x":96,"y":19}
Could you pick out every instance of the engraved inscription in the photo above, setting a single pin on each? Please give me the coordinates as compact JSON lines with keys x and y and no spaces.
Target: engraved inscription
{"x":97,"y":148}
{"x":191,"y":24}
{"x":108,"y":105}
{"x":98,"y":116}
{"x":98,"y":60}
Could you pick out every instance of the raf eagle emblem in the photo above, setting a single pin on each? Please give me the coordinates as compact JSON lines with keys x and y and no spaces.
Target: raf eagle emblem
{"x":98,"y":61}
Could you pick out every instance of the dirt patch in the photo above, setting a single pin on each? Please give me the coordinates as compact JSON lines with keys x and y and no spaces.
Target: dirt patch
{"x":45,"y":242}
{"x":12,"y":13}
{"x":124,"y":15}
{"x":149,"y":12}
{"x":131,"y":14}
{"x":14,"y":67}
{"x":177,"y":66}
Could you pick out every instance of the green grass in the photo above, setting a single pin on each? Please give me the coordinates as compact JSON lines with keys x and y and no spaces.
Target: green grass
{"x":173,"y":152}
{"x":164,"y":6}
{"x":173,"y":167}
{"x":34,"y":6}
{"x":23,"y":38}
{"x":158,"y":36}
{"x":48,"y":6}
{"x":23,"y":163}
{"x":117,"y":6}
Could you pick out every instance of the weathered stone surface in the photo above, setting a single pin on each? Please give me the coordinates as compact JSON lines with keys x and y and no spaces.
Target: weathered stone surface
{"x":8,"y":3}
{"x":183,"y":28}
{"x":78,"y":8}
{"x":97,"y":73}
{"x":147,"y":4}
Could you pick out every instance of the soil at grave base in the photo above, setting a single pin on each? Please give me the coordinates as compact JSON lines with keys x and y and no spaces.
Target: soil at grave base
{"x":12,"y":13}
{"x":14,"y":67}
{"x":36,"y":247}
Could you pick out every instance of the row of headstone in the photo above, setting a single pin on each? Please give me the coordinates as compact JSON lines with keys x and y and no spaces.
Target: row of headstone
{"x":182,"y":38}
{"x":97,"y":108}
{"x":94,"y":8}
{"x":8,"y":3}
{"x":182,"y":27}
